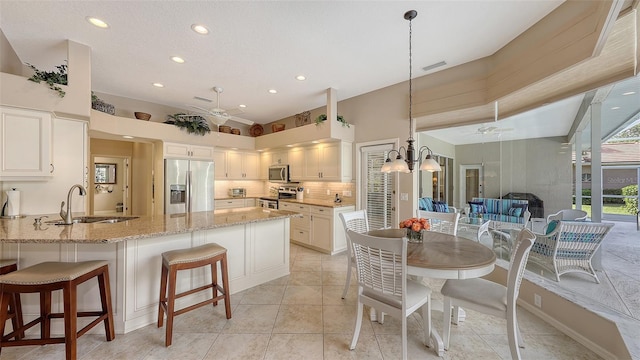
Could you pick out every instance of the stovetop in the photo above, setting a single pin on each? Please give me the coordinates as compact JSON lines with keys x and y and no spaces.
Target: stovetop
{"x":272,"y":198}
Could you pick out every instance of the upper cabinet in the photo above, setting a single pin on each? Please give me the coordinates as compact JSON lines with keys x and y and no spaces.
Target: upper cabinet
{"x":25,"y":144}
{"x":277,"y":157}
{"x":236,"y":165}
{"x":186,"y":151}
{"x":328,"y":162}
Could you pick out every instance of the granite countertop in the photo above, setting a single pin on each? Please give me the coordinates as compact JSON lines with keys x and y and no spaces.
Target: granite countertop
{"x":23,"y":230}
{"x":316,"y":202}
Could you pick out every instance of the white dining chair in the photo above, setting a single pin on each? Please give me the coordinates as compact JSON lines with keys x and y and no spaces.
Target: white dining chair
{"x":492,"y":298}
{"x":568,"y":215}
{"x":441,"y":222}
{"x":381,"y":265}
{"x":355,"y":221}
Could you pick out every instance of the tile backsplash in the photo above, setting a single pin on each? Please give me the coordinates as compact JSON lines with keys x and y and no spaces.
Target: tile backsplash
{"x":316,"y":190}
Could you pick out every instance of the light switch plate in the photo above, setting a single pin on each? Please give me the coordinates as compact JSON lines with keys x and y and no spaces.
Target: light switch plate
{"x":346,"y":192}
{"x":404,"y":196}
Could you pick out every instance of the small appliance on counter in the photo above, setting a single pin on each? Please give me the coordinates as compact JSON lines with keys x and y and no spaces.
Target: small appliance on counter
{"x":237,"y":192}
{"x":11,"y":206}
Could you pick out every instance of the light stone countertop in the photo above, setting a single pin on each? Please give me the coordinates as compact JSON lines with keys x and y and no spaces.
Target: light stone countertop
{"x":23,"y":230}
{"x":316,"y":202}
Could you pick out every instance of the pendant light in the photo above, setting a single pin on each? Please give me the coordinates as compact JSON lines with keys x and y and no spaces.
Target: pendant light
{"x":400,"y":164}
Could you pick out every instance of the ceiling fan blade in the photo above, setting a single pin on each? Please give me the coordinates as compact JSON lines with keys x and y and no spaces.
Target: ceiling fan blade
{"x":206,"y":111}
{"x":241,"y":120}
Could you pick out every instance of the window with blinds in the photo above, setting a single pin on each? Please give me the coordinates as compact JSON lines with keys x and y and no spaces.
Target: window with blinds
{"x":378,"y":188}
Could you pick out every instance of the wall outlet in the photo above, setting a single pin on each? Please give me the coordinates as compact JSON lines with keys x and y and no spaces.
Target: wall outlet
{"x":346,"y":192}
{"x":308,"y":191}
{"x":404,"y":196}
{"x":537,"y":300}
{"x":328,"y":192}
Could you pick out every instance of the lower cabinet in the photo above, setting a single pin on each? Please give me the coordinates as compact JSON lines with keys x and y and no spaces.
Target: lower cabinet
{"x":234,"y":203}
{"x":319,"y":227}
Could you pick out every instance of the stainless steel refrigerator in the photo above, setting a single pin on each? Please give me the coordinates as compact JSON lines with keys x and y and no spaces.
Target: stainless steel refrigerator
{"x":188,"y":186}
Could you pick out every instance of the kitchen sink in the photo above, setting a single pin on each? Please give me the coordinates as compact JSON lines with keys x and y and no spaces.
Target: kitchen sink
{"x":95,"y":219}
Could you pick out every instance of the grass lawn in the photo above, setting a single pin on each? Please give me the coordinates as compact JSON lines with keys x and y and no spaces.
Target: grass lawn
{"x":609,"y":209}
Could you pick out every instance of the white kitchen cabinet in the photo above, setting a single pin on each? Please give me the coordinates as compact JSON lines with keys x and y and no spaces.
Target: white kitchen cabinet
{"x":296,"y":164}
{"x":237,"y":165}
{"x":318,"y":228}
{"x":328,"y":162}
{"x":234,"y":203}
{"x":25,"y":144}
{"x":186,"y":151}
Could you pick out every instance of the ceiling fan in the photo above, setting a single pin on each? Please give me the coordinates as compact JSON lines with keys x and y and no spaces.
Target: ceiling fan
{"x":484,"y":130}
{"x":218,"y":115}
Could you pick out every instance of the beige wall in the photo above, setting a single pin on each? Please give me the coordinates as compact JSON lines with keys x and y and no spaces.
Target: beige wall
{"x":9,"y":61}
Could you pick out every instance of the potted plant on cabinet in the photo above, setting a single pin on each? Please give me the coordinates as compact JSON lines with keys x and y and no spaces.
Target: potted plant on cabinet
{"x":321,"y":118}
{"x":193,"y":124}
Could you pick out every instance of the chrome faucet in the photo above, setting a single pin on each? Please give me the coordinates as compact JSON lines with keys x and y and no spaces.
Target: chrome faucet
{"x":66,"y":216}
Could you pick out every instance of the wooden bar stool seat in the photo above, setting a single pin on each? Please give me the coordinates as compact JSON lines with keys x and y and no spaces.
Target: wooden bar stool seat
{"x":185,"y":259}
{"x":46,"y":277}
{"x":15,"y":306}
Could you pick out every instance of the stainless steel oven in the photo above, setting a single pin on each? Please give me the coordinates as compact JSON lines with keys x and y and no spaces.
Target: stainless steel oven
{"x":268,"y":203}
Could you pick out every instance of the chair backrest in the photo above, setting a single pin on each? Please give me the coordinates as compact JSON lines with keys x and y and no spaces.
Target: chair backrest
{"x":381,"y":265}
{"x":580,"y":239}
{"x":441,"y":222}
{"x":568,"y":215}
{"x":519,"y":256}
{"x":484,"y":228}
{"x":573,"y":214}
{"x":355,"y":220}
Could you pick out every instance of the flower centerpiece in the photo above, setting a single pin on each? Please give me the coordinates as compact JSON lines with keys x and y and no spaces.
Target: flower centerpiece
{"x":415,"y":228}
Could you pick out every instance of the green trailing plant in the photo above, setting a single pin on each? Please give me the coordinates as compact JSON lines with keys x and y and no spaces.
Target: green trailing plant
{"x":52,"y":78}
{"x":192,"y":124}
{"x":323,"y":117}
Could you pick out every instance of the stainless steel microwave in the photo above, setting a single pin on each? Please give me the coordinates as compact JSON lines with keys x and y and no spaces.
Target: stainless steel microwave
{"x":279,"y":173}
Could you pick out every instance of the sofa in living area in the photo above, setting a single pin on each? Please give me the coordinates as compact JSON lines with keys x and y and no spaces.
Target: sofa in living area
{"x":501,"y":211}
{"x":428,"y":204}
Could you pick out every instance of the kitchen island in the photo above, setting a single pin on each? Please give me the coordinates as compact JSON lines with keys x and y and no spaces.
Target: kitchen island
{"x":256,"y":239}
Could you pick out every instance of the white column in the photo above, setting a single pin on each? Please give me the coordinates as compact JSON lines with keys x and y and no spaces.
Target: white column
{"x":578,"y":171}
{"x":596,"y":173}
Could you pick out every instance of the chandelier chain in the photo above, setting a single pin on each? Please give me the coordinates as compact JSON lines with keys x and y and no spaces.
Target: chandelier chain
{"x":410,"y":81}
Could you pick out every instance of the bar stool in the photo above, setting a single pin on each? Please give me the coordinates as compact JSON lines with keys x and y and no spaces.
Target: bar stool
{"x":185,"y":259}
{"x":46,"y":277}
{"x":15,"y":306}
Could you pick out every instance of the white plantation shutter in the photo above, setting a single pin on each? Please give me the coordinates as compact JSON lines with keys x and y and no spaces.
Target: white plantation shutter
{"x":377,"y":187}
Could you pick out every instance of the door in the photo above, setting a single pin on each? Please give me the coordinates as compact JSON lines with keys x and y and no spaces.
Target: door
{"x":175,"y":187}
{"x":471,"y":179}
{"x":377,"y":189}
{"x":201,"y":187}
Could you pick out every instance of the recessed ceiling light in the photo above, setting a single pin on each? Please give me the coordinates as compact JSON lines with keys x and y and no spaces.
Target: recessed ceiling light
{"x":97,"y":22}
{"x":315,"y":142}
{"x":177,"y":59}
{"x":200,"y":29}
{"x":273,"y":91}
{"x":615,"y":108}
{"x":158,"y":85}
{"x":301,"y":77}
{"x":242,"y":106}
{"x":127,"y":136}
{"x":629,"y":93}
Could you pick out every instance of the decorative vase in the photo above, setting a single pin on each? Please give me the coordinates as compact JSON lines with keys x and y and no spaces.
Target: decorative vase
{"x":414,"y":236}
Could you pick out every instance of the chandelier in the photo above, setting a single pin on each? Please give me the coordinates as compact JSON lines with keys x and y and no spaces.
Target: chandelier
{"x":406,"y":163}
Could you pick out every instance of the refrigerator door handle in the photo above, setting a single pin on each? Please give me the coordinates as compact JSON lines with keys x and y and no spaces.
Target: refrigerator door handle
{"x":189,"y":192}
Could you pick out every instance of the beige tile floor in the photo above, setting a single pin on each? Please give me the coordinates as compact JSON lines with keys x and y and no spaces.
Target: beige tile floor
{"x":301,"y":316}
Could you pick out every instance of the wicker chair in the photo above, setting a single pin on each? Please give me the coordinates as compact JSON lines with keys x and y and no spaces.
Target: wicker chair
{"x":569,"y":247}
{"x":441,"y":222}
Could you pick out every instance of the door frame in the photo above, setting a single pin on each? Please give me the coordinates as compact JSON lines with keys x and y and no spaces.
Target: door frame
{"x":395,"y":143}
{"x":463,"y":182}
